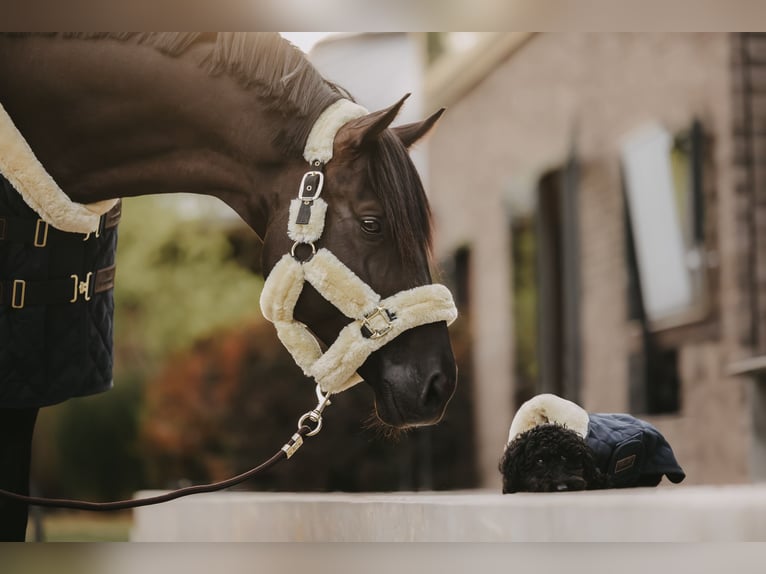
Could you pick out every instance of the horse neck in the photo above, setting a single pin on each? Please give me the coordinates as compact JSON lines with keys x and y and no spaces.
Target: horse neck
{"x":125,"y":120}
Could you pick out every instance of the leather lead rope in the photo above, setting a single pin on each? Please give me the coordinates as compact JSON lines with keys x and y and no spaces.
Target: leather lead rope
{"x":287,"y":450}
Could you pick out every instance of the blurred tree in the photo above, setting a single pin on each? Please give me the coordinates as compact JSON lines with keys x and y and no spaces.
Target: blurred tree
{"x":88,"y":448}
{"x":235,"y":398}
{"x":178,"y":278}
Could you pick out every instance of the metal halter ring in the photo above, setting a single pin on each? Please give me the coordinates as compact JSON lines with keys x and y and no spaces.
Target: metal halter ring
{"x":310,"y":244}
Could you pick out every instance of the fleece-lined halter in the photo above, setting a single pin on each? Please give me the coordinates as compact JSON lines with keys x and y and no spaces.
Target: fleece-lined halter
{"x":376,"y":321}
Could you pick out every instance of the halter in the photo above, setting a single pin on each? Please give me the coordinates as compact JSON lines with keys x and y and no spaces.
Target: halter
{"x":375,"y":321}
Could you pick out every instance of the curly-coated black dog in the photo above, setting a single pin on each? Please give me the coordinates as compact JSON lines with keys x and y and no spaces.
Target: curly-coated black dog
{"x":550,"y":458}
{"x":554,"y":445}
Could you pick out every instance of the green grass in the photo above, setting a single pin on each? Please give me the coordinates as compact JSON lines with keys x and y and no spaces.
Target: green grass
{"x":82,"y":527}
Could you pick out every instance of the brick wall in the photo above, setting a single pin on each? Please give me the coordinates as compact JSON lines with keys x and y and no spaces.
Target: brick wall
{"x":519,"y":122}
{"x":748,"y":57}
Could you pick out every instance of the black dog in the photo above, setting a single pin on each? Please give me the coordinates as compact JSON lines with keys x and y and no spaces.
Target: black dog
{"x":549,"y":458}
{"x":599,"y":450}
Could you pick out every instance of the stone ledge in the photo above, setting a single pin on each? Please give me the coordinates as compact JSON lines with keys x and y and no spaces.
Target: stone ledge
{"x":667,"y":513}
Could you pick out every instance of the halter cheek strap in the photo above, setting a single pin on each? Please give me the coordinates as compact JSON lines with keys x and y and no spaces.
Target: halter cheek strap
{"x":375,"y":321}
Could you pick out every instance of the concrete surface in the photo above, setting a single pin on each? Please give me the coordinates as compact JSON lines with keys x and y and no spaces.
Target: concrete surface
{"x":667,"y":513}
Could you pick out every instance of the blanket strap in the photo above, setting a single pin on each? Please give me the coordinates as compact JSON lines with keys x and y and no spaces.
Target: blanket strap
{"x":37,"y":232}
{"x":19,"y":293}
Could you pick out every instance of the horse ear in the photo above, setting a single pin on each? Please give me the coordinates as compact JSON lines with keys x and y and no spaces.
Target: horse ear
{"x":411,"y":133}
{"x":367,"y":128}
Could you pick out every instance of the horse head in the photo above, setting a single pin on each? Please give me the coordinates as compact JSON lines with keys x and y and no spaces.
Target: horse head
{"x":377,"y":224}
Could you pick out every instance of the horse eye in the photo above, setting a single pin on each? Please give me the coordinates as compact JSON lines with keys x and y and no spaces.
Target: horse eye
{"x":563,"y":458}
{"x":371,"y":225}
{"x":540,"y":462}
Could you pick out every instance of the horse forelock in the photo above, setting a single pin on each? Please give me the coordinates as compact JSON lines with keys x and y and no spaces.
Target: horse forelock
{"x":397,"y":185}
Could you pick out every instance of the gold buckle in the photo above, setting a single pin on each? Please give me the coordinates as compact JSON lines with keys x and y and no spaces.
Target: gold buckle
{"x":16,"y":284}
{"x":81,"y":287}
{"x":377,"y":323}
{"x":41,"y":242}
{"x":97,"y":233}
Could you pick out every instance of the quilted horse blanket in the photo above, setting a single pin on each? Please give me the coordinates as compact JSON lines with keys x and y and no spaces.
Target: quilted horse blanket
{"x":56,"y":277}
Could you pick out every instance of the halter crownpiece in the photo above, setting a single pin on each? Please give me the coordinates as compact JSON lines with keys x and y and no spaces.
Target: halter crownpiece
{"x":375,"y":321}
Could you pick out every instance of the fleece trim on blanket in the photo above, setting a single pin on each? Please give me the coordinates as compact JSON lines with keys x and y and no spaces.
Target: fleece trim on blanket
{"x":38,"y":189}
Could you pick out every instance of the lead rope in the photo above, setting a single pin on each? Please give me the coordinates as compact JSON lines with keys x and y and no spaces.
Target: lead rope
{"x":305,"y":429}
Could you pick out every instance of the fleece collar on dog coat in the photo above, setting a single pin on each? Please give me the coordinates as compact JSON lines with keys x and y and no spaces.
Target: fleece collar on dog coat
{"x":548,"y":408}
{"x":376,"y":321}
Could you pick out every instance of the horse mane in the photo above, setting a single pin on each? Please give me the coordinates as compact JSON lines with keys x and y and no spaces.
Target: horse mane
{"x":281,"y":75}
{"x":264,"y":62}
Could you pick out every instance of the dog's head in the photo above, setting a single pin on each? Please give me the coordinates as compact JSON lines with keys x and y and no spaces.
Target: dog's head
{"x":549,"y":458}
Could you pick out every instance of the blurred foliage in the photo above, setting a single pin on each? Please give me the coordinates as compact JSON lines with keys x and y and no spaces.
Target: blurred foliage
{"x":232,"y":401}
{"x":525,"y":307}
{"x":88,"y":447}
{"x":178,"y":279}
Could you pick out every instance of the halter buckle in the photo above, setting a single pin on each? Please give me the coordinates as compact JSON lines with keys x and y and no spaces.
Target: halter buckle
{"x":311,"y":185}
{"x":377,"y":323}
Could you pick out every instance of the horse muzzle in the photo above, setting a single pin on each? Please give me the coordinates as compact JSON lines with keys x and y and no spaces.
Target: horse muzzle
{"x":413,"y":377}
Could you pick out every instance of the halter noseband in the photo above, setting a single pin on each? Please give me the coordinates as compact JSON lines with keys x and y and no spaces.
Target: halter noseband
{"x":376,"y":321}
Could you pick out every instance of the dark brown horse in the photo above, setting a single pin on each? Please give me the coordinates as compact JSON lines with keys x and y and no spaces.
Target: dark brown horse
{"x":228,"y":115}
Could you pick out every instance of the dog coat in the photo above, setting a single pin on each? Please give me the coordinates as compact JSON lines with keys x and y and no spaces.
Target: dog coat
{"x":632,"y":452}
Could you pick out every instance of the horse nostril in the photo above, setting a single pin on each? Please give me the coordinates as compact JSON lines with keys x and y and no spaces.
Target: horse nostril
{"x":436,"y":392}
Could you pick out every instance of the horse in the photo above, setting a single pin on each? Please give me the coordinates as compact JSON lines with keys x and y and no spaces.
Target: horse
{"x":237,"y":116}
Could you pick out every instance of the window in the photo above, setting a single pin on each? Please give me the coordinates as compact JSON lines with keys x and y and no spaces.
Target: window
{"x":666,"y":268}
{"x":546,"y":284}
{"x":662,"y":177}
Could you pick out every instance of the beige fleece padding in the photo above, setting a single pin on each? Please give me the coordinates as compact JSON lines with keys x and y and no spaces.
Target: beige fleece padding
{"x":339,"y":285}
{"x":335,"y":370}
{"x":322,"y":135}
{"x":38,"y":189}
{"x":549,"y":408}
{"x":311,"y":231}
{"x":281,"y":290}
{"x":412,"y":308}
